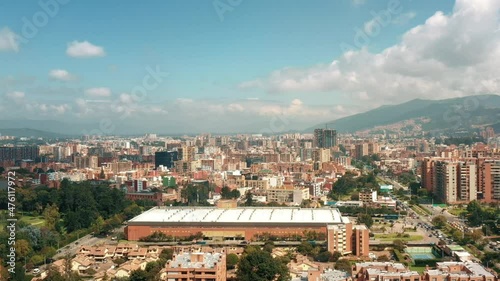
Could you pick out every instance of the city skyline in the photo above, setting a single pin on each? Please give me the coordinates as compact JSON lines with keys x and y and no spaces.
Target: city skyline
{"x":179,"y":67}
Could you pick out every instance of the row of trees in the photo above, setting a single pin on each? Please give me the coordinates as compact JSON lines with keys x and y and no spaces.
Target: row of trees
{"x":73,"y":210}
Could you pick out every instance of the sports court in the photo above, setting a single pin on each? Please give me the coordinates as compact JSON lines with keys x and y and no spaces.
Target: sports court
{"x":420,"y":253}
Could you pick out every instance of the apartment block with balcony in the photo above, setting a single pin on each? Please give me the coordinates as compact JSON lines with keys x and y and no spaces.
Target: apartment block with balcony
{"x":195,"y":266}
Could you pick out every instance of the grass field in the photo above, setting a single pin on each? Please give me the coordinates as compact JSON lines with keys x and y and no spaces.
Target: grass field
{"x":35,"y":221}
{"x":393,"y":236}
{"x":419,"y":269}
{"x":456,"y":211}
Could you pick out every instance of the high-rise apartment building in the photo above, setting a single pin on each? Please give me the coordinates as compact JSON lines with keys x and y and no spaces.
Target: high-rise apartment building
{"x":19,"y":153}
{"x":361,"y":150}
{"x":83,"y":162}
{"x":467,"y":176}
{"x":461,"y":180}
{"x":488,"y":180}
{"x":187,"y":153}
{"x":325,"y":138}
{"x":446,"y":187}
{"x":166,"y":158}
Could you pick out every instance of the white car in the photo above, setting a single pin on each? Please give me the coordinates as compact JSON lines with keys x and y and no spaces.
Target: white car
{"x":36,"y":270}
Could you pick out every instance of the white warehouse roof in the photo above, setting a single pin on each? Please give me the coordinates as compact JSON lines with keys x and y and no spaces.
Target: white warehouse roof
{"x":240,"y":215}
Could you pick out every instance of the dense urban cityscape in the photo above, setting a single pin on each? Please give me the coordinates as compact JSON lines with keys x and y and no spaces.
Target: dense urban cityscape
{"x":390,"y":205}
{"x":348,"y":140}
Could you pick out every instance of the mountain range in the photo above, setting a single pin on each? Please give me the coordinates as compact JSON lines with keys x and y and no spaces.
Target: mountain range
{"x":448,"y":115}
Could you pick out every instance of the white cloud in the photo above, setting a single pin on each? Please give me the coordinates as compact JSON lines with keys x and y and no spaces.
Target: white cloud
{"x":61,"y":75}
{"x":98,"y":92}
{"x":235,"y":107}
{"x":404,"y":18}
{"x":84,"y":49}
{"x":447,"y":56}
{"x":15,"y":96}
{"x":8,"y":40}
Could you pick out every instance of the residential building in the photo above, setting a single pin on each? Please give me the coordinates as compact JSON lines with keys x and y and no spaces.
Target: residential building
{"x":195,"y":266}
{"x":325,"y":138}
{"x":458,"y":271}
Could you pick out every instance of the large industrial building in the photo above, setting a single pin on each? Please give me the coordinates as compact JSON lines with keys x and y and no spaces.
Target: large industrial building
{"x":250,"y":222}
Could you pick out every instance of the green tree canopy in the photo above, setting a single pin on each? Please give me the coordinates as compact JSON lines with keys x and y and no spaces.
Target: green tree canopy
{"x":439,"y":221}
{"x":259,"y":265}
{"x":231,"y":261}
{"x":365,"y":219}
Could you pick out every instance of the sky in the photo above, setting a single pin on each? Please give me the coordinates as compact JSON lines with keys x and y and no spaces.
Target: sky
{"x":227,"y":66}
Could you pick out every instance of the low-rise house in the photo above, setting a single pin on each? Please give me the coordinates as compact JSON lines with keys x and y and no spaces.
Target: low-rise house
{"x":139,"y":253}
{"x":328,"y":275}
{"x":458,"y":271}
{"x":126,"y":268}
{"x":382,"y":271}
{"x":80,"y":264}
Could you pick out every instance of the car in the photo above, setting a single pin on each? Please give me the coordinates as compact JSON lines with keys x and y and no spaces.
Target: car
{"x":36,"y":270}
{"x":113,"y":238}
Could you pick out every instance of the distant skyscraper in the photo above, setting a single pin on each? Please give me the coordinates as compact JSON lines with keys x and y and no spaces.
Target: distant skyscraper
{"x":19,"y":153}
{"x":325,"y":138}
{"x":166,"y":158}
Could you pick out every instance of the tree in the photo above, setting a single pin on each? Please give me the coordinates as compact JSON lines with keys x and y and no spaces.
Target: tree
{"x":23,"y":248}
{"x":166,"y":255}
{"x":97,"y":226}
{"x":138,"y":275}
{"x":51,"y":216}
{"x":336,"y":256}
{"x":259,"y":265}
{"x":2,"y":169}
{"x":398,"y":245}
{"x":235,"y":194}
{"x":365,"y":219}
{"x":37,"y":259}
{"x":268,"y":246}
{"x":343,"y":265}
{"x":439,"y":221}
{"x":248,"y":199}
{"x":231,"y":261}
{"x":324,"y":256}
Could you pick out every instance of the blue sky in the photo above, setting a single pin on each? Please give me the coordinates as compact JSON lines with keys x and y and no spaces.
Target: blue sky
{"x":259,"y":59}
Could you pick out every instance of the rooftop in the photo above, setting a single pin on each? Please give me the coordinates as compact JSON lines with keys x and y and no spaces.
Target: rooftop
{"x":240,"y":215}
{"x":184,"y":260}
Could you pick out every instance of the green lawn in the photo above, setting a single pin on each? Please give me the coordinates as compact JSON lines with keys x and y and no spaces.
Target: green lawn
{"x":456,"y":211}
{"x":419,"y":269}
{"x":36,"y":221}
{"x":393,"y":236}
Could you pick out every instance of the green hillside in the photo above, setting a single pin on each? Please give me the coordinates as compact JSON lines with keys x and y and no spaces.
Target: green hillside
{"x":449,"y":114}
